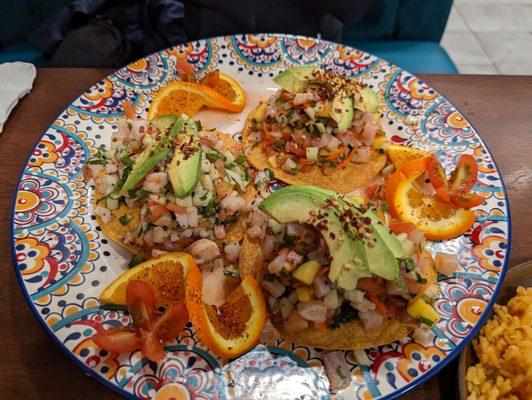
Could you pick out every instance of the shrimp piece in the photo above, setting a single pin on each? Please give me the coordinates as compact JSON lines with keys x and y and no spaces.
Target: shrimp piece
{"x":155,"y":182}
{"x":232,"y":203}
{"x":204,"y":250}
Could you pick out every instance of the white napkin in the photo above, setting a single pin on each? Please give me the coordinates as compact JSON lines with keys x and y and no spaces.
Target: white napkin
{"x":16,"y":80}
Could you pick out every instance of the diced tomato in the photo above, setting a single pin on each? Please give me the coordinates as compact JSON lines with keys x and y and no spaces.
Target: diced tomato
{"x":294,"y":148}
{"x":152,"y":347}
{"x":211,"y":79}
{"x":379,"y":305}
{"x":467,"y":200}
{"x":117,"y":340}
{"x":371,"y":191}
{"x":402,"y":227}
{"x":464,"y":177}
{"x":176,"y":208}
{"x":171,"y":322}
{"x":413,"y":286}
{"x":156,"y":210}
{"x":438,"y":179}
{"x":370,"y":286}
{"x":140,"y":300}
{"x":185,"y":70}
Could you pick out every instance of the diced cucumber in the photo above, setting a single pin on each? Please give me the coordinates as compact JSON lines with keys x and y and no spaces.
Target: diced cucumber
{"x":312,"y":153}
{"x":331,"y":299}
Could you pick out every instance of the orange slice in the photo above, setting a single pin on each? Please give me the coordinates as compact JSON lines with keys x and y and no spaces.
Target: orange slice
{"x":232,"y":328}
{"x":437,"y":219}
{"x":399,"y":155}
{"x":188,"y":97}
{"x":165,"y":275}
{"x":231,"y":90}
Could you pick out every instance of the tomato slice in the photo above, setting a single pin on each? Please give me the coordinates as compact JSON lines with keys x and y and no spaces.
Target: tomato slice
{"x":152,"y":347}
{"x":438,"y":179}
{"x":467,"y":200}
{"x":211,"y":79}
{"x":171,"y":322}
{"x":370,"y":286}
{"x":185,"y":70}
{"x":117,"y":340}
{"x":464,"y":177}
{"x":140,"y":300}
{"x":402,"y":227}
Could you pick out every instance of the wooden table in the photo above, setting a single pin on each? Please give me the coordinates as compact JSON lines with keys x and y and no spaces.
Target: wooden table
{"x":31,"y":367}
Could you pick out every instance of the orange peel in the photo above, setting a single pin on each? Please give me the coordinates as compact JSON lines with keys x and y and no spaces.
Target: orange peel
{"x":179,"y":97}
{"x":232,"y":328}
{"x":436,"y":219}
{"x":165,"y":275}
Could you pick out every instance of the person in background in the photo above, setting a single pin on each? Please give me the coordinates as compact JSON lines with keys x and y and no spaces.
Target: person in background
{"x":111,"y":33}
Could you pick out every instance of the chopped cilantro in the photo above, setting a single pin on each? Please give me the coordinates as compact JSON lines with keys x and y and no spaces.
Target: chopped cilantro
{"x":409,"y":264}
{"x":290,"y":113}
{"x":384,"y":206}
{"x":344,"y":314}
{"x":270,"y":172}
{"x":138,"y":193}
{"x":127,"y":161}
{"x":100,"y":162}
{"x":340,"y":373}
{"x":241,"y":159}
{"x":203,"y":197}
{"x":134,"y":261}
{"x":210,"y":209}
{"x":198,"y":125}
{"x":426,"y":321}
{"x":420,"y":279}
{"x":213,"y":156}
{"x":125,"y":219}
{"x":288,"y":241}
{"x":283,"y":274}
{"x":268,"y":277}
{"x":99,"y":157}
{"x":279,"y":101}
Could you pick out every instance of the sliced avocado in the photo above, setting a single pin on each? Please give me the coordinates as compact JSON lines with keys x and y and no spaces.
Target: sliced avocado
{"x":164,"y":122}
{"x":185,"y":168}
{"x":294,"y":79}
{"x":298,"y":204}
{"x":151,"y":155}
{"x":367,"y":100}
{"x":382,"y":256}
{"x":342,"y":111}
{"x":392,"y":242}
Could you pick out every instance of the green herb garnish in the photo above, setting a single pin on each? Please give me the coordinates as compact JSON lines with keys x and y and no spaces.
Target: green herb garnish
{"x":125,"y":219}
{"x":344,"y":314}
{"x":99,"y":157}
{"x":134,"y":261}
{"x":241,"y":159}
{"x":213,"y":156}
{"x":426,"y":321}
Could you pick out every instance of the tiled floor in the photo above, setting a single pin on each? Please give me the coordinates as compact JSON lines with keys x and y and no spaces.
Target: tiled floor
{"x":490,"y":36}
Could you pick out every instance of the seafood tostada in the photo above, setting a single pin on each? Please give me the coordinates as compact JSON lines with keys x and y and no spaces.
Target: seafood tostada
{"x":318,"y":129}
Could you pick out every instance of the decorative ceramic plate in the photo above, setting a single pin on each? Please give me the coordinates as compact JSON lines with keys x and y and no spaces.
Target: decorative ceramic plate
{"x":64,"y":261}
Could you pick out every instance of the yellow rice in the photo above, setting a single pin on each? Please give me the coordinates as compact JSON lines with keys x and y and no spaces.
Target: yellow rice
{"x":504,"y":349}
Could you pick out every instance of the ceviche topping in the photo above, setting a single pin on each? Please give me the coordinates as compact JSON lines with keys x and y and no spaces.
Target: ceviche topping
{"x":177,"y":186}
{"x":324,"y":120}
